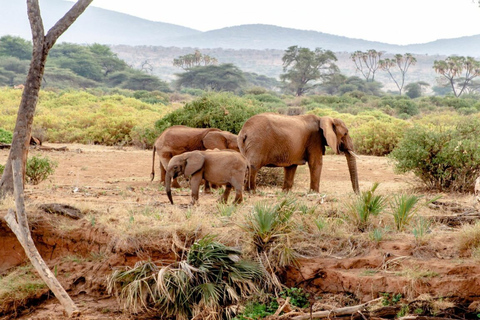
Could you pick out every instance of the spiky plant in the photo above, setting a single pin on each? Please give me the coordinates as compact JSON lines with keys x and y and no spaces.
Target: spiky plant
{"x":269,"y":229}
{"x":211,"y":280}
{"x":365,"y":205}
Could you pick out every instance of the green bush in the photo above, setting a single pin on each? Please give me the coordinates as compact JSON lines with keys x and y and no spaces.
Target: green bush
{"x":224,"y":111}
{"x":445,"y":158}
{"x":39,"y":169}
{"x":5,"y":136}
{"x":378,"y":137}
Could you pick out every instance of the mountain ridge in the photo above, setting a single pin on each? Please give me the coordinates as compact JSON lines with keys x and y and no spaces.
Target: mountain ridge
{"x":97,"y":25}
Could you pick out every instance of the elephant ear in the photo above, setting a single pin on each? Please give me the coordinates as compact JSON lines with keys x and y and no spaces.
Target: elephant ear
{"x":328,"y":128}
{"x":214,"y":140}
{"x":194,"y":163}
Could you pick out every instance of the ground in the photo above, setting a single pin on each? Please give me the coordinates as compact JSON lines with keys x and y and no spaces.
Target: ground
{"x":111,"y":186}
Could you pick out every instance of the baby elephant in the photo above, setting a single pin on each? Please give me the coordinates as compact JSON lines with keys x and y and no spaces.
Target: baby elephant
{"x":220,"y":167}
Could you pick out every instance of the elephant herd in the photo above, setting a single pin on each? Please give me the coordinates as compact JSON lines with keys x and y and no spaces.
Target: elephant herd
{"x":267,"y":139}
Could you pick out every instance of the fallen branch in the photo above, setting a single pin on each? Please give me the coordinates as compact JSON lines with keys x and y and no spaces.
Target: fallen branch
{"x":20,"y":228}
{"x":335,"y":312}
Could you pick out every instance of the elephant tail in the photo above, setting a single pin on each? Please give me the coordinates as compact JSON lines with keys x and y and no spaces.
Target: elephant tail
{"x":152,"y":175}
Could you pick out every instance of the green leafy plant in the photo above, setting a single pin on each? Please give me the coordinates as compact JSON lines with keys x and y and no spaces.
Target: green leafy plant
{"x":298,"y":297}
{"x":404,"y":209}
{"x":365,"y":205}
{"x":445,"y":157}
{"x":39,"y":169}
{"x":210,"y":281}
{"x":5,"y":136}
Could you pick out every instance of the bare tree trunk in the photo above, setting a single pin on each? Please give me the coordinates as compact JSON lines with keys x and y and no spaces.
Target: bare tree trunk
{"x":19,"y":225}
{"x":41,"y":46}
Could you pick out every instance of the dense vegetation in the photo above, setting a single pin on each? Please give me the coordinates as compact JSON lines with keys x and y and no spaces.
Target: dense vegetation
{"x":434,"y":137}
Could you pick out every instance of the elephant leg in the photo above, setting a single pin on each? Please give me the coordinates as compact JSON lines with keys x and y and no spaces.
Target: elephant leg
{"x":289,"y":175}
{"x":250,"y":184}
{"x":238,"y":195}
{"x":226,"y":193}
{"x":315,"y":168}
{"x":207,"y":188}
{"x":195,"y":182}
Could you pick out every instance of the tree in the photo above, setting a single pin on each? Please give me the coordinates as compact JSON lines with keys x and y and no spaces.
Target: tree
{"x":225,"y":77}
{"x":402,"y":62}
{"x":15,"y":47}
{"x":458,"y":72}
{"x":367,"y":63}
{"x":301,"y":66}
{"x":415,"y":89}
{"x":195,"y":59}
{"x":13,"y":177}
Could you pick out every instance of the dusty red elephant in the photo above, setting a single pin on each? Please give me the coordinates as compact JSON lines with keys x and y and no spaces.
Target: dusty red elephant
{"x":275,"y":140}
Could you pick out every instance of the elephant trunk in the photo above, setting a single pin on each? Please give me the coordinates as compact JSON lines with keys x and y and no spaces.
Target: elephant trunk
{"x":168,"y":183}
{"x":352,"y":168}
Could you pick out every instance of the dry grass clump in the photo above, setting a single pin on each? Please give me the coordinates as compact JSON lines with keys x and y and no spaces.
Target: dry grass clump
{"x":20,"y":284}
{"x":469,"y":239}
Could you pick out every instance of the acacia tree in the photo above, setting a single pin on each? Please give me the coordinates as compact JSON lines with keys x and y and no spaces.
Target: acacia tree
{"x":302,"y":66}
{"x":41,"y":46}
{"x":195,"y":59}
{"x":402,"y":62}
{"x":458,"y":72}
{"x":367,"y":63}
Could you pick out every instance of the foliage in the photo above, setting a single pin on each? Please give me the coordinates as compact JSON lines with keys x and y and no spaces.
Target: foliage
{"x":269,"y":229}
{"x":445,"y":158}
{"x":365,"y":205}
{"x":73,"y":66}
{"x":404,"y":209}
{"x":458,"y":72}
{"x":5,"y":136}
{"x":298,"y":297}
{"x":224,"y":77}
{"x":302,"y":66}
{"x":224,"y":111}
{"x":15,"y":47}
{"x":39,"y":169}
{"x":367,"y":63}
{"x":195,"y":59}
{"x":400,"y":62}
{"x":210,"y":281}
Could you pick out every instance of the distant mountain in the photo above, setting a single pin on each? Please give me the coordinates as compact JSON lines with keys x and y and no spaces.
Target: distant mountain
{"x":97,"y":25}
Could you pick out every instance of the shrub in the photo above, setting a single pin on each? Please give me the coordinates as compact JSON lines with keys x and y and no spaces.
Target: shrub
{"x":445,"y":159}
{"x":209,"y":282}
{"x":5,"y":136}
{"x":39,"y":169}
{"x":378,"y":137}
{"x":224,"y":111}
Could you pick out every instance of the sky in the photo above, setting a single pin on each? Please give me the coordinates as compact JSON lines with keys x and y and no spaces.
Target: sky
{"x":389,"y":21}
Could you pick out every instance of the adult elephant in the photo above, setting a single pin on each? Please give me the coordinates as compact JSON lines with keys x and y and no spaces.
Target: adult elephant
{"x":179,"y":139}
{"x":275,"y":140}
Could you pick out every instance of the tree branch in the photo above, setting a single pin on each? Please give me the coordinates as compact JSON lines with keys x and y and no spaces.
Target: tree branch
{"x":19,"y":227}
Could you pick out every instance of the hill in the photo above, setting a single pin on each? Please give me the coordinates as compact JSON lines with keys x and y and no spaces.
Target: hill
{"x":108,"y":27}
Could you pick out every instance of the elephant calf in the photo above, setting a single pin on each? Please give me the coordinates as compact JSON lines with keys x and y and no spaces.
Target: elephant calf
{"x":219,"y":167}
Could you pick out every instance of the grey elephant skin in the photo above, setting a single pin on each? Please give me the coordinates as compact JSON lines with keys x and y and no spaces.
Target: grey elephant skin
{"x":275,"y":140}
{"x":219,"y":167}
{"x":179,"y":139}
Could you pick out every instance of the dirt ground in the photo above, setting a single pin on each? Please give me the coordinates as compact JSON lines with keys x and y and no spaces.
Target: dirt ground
{"x":106,"y":180}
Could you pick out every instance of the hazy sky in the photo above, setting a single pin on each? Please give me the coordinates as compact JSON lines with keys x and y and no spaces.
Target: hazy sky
{"x":389,"y":21}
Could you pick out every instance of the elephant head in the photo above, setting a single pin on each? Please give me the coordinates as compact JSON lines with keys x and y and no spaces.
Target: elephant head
{"x":187,"y":164}
{"x":335,"y":133}
{"x":220,"y":140}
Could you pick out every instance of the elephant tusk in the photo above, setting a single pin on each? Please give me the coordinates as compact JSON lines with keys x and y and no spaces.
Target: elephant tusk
{"x":354,"y":154}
